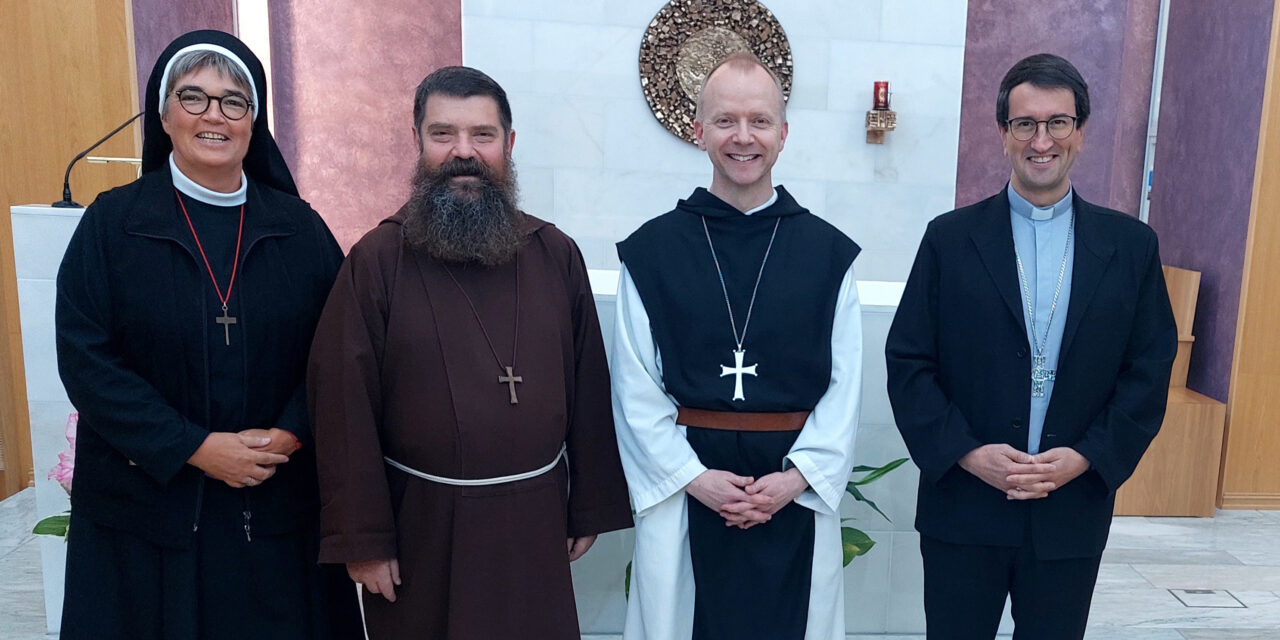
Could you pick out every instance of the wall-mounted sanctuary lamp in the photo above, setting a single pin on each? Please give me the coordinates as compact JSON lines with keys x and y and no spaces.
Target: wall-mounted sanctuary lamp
{"x":880,"y":118}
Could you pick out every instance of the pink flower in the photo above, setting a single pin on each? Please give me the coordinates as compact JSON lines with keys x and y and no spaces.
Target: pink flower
{"x":66,"y":466}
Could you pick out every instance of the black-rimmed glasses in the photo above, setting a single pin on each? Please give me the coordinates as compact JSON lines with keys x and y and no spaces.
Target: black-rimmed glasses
{"x":196,"y":102}
{"x":1059,"y":127}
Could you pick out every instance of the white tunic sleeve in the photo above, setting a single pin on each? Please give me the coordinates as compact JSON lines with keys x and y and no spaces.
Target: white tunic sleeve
{"x":656,"y":457}
{"x":824,"y":451}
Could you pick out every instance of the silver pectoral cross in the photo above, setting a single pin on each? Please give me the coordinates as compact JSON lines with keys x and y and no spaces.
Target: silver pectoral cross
{"x":226,"y":320}
{"x":737,"y":371}
{"x":1040,"y":375}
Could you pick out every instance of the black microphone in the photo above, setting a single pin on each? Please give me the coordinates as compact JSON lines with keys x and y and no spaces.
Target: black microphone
{"x":66,"y":201}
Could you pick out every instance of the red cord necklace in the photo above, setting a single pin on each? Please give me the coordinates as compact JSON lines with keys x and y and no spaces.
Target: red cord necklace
{"x":225,"y":319}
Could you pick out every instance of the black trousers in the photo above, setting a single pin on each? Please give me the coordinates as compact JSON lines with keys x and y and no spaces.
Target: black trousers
{"x":965,"y":588}
{"x":751,"y":583}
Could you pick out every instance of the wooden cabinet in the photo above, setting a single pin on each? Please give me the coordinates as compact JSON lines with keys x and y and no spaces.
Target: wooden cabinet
{"x":1179,"y":474}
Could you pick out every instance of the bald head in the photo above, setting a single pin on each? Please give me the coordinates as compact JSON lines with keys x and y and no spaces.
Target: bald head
{"x":744,"y":66}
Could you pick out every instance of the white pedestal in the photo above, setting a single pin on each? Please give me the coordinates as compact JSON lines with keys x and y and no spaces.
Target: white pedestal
{"x":40,"y":236}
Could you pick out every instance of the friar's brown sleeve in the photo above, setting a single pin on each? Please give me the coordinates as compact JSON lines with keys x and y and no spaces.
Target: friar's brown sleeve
{"x":345,"y":399}
{"x":598,"y":499}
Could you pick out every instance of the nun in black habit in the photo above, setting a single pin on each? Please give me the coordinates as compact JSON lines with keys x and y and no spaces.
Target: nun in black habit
{"x":186,"y":305}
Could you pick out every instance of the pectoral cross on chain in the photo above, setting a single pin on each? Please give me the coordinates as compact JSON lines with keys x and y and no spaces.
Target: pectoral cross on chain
{"x":1040,"y":375}
{"x":510,"y":380}
{"x":226,"y":321}
{"x":737,"y":371}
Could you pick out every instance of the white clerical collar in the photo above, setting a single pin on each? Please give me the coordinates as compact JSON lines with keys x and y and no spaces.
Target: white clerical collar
{"x":1024,"y":208}
{"x":766,"y":205}
{"x":208,"y":196}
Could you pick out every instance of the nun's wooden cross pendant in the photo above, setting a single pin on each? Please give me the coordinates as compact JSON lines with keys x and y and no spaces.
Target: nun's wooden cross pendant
{"x":510,"y":380}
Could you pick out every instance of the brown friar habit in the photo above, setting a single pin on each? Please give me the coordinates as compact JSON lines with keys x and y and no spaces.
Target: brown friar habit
{"x":401,"y":368}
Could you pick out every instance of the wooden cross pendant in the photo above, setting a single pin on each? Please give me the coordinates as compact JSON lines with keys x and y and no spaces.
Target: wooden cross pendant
{"x":226,"y":321}
{"x":510,"y":380}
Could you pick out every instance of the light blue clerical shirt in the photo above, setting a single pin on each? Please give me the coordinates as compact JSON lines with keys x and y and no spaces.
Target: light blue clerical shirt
{"x":1040,"y":236}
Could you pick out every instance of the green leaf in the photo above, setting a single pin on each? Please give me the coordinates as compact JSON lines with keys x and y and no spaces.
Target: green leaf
{"x":876,"y":472}
{"x":53,"y":526}
{"x":857,"y":495}
{"x":854,"y":543}
{"x":626,"y":584}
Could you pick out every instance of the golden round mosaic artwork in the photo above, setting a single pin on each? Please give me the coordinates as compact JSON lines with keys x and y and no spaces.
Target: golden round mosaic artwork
{"x":685,"y":41}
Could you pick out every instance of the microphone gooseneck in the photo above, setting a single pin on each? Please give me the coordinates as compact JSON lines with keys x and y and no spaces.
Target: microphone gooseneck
{"x":66,"y":202}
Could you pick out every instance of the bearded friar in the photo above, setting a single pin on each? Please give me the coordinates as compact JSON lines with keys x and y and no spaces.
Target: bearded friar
{"x":460,"y":394}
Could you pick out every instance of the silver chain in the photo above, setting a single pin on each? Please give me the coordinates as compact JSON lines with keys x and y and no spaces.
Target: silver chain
{"x":1026,"y":292}
{"x":750,"y":306}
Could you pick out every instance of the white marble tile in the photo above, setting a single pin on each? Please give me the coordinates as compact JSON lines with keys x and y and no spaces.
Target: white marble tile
{"x":537,"y":191}
{"x":558,"y":132}
{"x":907,"y":570}
{"x":888,"y":216}
{"x":22,"y":614}
{"x":1118,"y":578}
{"x":590,"y":48}
{"x":866,"y":587}
{"x":825,"y":145}
{"x":1157,"y":608}
{"x":809,"y":74}
{"x":598,"y":579}
{"x":503,"y":63}
{"x":1133,"y":633}
{"x":909,"y":155}
{"x":17,"y":517}
{"x":1238,"y":577}
{"x":891,"y":265}
{"x":1159,"y":556}
{"x":628,"y":198}
{"x":906,"y":612}
{"x":1252,"y":598}
{"x":825,"y":19}
{"x":636,"y":141}
{"x":923,"y":79}
{"x":1006,"y":619}
{"x":1219,"y":634}
{"x":875,"y":328}
{"x":924,"y":22}
{"x":881,"y":636}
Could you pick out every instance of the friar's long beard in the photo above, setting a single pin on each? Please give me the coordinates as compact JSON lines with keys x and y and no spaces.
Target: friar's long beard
{"x":473,"y":222}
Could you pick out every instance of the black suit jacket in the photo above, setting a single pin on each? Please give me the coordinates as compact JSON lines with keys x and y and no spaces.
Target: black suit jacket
{"x":960,"y":374}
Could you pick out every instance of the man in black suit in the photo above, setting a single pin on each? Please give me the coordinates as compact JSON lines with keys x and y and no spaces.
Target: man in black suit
{"x":1028,"y":371}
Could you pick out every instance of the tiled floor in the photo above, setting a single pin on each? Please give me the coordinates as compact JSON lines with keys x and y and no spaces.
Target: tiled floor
{"x":1161,"y":578}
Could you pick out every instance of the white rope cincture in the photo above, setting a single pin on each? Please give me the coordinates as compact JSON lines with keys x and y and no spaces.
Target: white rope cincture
{"x":478,"y":482}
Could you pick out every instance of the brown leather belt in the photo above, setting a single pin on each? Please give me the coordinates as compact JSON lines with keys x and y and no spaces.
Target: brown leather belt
{"x":741,"y":420}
